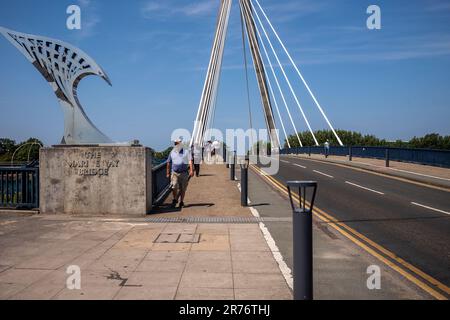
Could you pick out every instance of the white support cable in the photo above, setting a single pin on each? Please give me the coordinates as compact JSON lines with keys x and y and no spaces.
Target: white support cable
{"x":219,"y":66}
{"x":271,"y":91}
{"x":279,"y":87}
{"x":298,"y":71}
{"x":278,"y":112}
{"x":216,"y":81}
{"x":255,"y":65}
{"x":203,"y":109}
{"x":281,"y":92}
{"x":285,"y":76}
{"x":206,"y":114}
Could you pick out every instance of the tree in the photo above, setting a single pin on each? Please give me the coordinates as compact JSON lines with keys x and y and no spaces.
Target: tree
{"x":352,"y":138}
{"x":24,"y":151}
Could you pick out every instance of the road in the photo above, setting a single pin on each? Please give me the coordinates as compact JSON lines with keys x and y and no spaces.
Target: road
{"x":410,"y":220}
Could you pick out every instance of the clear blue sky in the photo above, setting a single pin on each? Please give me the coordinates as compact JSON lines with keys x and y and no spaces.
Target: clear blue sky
{"x":393,"y":82}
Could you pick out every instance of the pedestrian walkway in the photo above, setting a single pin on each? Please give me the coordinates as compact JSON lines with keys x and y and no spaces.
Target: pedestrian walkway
{"x":212,"y":194}
{"x":436,"y":176}
{"x":132,"y":258}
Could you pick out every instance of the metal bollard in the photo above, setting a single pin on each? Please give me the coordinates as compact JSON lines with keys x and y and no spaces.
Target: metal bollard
{"x":350,"y":155}
{"x":244,"y":185}
{"x":309,"y":151}
{"x":233,"y":167}
{"x":387,"y":158}
{"x":224,"y":150}
{"x":303,"y":239}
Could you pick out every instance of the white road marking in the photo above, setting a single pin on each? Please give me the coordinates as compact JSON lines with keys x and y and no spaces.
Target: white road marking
{"x":420,"y":174}
{"x":357,"y":185}
{"x":390,"y":168}
{"x":239,"y":187}
{"x":430,"y":208}
{"x":324,"y":174}
{"x":285,"y":270}
{"x":298,"y":165}
{"x":284,"y":161}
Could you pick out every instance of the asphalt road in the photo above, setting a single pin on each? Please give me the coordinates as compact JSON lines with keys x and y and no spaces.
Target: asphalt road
{"x":411,"y":220}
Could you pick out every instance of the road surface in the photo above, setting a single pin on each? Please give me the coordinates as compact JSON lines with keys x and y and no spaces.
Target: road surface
{"x":406,"y":222}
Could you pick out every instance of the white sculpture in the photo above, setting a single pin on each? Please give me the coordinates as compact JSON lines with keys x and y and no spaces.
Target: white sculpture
{"x":63,"y":66}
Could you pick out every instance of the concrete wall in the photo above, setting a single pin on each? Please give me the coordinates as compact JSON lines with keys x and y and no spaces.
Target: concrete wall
{"x":95,"y":180}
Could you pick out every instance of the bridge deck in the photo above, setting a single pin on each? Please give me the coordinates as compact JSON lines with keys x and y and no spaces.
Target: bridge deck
{"x":212,"y":194}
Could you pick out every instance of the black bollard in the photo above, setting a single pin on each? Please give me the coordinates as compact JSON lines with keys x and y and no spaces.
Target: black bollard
{"x":233,"y":167}
{"x":387,"y":158}
{"x":303,"y":239}
{"x":244,"y":185}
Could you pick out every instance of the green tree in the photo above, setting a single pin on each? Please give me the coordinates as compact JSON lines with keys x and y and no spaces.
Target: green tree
{"x":352,"y":138}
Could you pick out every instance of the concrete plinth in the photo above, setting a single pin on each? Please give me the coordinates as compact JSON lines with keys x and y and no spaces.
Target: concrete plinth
{"x":95,"y":180}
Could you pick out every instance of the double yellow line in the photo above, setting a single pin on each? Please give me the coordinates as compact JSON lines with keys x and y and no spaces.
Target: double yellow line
{"x":376,"y":250}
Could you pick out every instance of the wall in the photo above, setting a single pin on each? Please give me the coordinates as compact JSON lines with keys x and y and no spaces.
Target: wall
{"x":96,"y":180}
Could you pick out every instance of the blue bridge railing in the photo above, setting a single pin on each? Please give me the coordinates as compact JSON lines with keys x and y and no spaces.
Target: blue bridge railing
{"x":160,"y":184}
{"x":438,"y":158}
{"x":19,"y":187}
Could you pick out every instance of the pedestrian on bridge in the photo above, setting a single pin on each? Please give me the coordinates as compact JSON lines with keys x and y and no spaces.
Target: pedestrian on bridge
{"x":196,"y":151}
{"x":180,"y":170}
{"x":327,"y":148}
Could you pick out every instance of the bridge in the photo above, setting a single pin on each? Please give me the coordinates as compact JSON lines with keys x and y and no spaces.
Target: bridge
{"x":375,"y":207}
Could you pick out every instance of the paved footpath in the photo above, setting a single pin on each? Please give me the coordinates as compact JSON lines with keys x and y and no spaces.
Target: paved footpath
{"x":136,"y":258}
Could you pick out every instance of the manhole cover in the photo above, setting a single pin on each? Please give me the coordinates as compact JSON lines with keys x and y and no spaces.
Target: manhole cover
{"x":178,"y":238}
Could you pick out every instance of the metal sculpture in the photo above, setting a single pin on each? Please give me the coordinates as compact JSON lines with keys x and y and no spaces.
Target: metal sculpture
{"x":63,"y":66}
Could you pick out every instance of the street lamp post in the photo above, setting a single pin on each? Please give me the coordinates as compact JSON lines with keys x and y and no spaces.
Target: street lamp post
{"x":302,"y":232}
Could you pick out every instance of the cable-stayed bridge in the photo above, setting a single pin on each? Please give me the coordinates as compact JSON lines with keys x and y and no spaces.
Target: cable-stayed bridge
{"x":259,"y":32}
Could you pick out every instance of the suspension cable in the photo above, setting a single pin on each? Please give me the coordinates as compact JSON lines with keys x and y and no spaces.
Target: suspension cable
{"x":285,"y":76}
{"x":279,"y":87}
{"x":298,"y":72}
{"x":274,"y":98}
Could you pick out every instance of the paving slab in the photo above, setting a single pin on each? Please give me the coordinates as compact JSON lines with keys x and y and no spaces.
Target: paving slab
{"x":119,"y":258}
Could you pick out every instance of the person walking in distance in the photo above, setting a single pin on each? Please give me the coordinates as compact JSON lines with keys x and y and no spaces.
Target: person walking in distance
{"x":180,"y":170}
{"x":197,"y":157}
{"x":327,"y":148}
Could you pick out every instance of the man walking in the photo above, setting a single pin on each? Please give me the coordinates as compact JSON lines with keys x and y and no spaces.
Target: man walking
{"x":180,"y":161}
{"x":327,"y":148}
{"x":197,"y":157}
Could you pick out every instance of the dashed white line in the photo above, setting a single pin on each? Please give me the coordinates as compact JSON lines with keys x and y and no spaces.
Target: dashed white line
{"x":299,"y":165}
{"x":324,"y":174}
{"x":365,"y":188}
{"x":284,"y":161}
{"x":430,"y":208}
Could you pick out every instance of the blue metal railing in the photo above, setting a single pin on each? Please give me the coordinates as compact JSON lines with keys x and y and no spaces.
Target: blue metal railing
{"x":160,"y":184}
{"x":438,"y":158}
{"x":19,"y":187}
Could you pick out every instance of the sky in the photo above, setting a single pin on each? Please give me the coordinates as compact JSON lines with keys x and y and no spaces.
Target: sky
{"x":393,"y":82}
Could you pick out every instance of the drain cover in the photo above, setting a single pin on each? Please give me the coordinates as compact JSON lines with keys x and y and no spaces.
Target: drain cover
{"x":219,"y":219}
{"x":178,"y":238}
